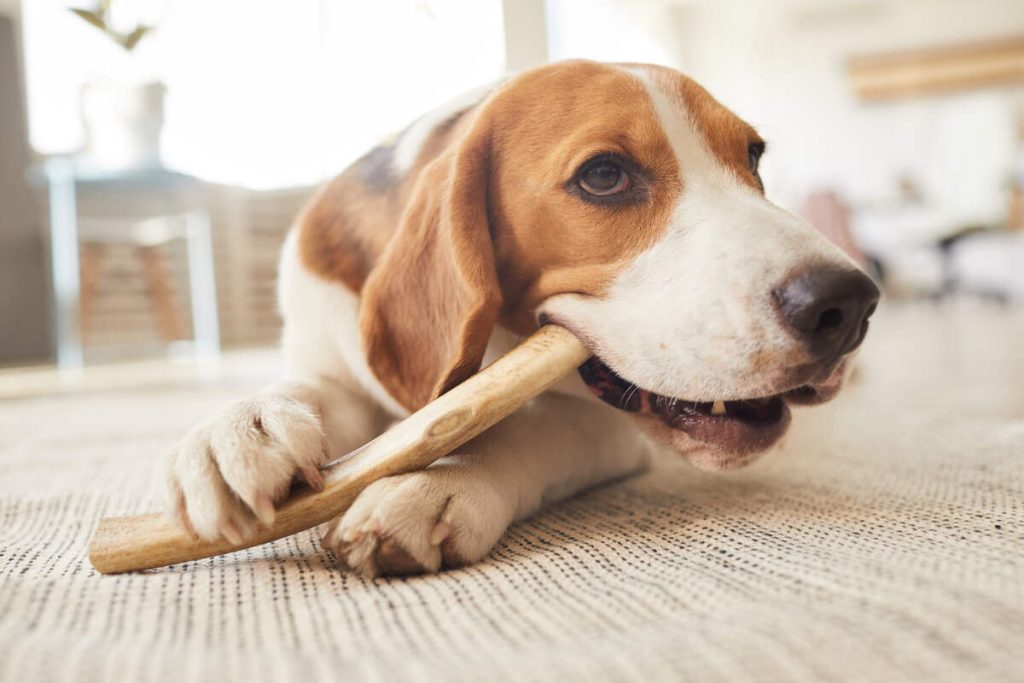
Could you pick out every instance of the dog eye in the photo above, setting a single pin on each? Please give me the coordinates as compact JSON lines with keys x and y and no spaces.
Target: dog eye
{"x":603,"y":177}
{"x":754,"y":152}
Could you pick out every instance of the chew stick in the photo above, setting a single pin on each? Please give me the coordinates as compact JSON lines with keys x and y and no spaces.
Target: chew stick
{"x":124,"y":544}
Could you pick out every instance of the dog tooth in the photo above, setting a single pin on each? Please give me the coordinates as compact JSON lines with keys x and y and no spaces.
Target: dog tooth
{"x":718,"y":408}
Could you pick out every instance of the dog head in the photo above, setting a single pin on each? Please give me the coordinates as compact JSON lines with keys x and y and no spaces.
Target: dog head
{"x":623,"y":202}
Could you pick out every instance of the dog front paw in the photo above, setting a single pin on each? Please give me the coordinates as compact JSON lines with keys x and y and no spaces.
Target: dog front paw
{"x":445,"y":516}
{"x":224,"y":478}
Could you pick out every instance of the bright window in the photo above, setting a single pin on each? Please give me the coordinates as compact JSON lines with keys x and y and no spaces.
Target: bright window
{"x":267,"y":94}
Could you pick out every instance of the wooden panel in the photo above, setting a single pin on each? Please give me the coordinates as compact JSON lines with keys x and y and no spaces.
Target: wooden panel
{"x":950,"y":68}
{"x":248,"y":228}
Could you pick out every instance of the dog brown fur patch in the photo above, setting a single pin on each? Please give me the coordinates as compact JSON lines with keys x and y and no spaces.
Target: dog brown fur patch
{"x":727,"y":136}
{"x":345,"y":227}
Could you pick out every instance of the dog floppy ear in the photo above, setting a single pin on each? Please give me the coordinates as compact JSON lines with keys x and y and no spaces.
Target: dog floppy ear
{"x":429,"y":305}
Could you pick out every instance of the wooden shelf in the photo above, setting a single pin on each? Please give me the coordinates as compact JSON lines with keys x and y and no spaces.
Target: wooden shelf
{"x":932,"y":71}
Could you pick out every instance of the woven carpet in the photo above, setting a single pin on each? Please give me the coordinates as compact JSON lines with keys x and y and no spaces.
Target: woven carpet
{"x":885,"y":541}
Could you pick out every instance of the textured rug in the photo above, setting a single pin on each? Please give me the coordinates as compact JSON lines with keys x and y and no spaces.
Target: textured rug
{"x":885,"y":541}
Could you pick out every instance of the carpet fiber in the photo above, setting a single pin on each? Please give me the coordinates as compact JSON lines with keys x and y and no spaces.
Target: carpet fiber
{"x":885,"y":541}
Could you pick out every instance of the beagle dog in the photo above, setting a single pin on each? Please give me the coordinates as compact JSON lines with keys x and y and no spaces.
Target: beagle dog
{"x":619,"y":200}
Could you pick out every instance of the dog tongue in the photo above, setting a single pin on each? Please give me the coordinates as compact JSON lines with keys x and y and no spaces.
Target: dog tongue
{"x":674,"y":413}
{"x":730,"y":425}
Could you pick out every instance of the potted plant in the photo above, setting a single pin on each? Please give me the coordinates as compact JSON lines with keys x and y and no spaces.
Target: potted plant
{"x":123,"y":117}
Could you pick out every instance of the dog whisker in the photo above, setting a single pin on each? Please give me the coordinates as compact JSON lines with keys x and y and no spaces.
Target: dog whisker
{"x":627,"y":395}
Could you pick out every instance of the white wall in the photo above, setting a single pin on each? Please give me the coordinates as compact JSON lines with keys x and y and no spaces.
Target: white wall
{"x":614,"y":31}
{"x":790,"y":78}
{"x":781,"y":65}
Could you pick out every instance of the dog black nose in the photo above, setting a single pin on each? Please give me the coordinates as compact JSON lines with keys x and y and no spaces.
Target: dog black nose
{"x":828,"y":309}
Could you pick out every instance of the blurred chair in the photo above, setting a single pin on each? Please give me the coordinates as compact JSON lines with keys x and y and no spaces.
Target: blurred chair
{"x":142,"y":208}
{"x":827,"y":212}
{"x":983,"y":262}
{"x":149,"y":239}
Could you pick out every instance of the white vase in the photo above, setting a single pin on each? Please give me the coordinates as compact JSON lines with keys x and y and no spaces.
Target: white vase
{"x":123,"y":123}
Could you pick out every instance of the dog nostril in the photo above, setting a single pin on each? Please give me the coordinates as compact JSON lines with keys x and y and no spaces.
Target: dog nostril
{"x":830,"y":318}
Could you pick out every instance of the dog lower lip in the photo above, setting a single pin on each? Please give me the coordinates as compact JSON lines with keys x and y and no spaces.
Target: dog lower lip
{"x":748,"y":424}
{"x":752,"y":411}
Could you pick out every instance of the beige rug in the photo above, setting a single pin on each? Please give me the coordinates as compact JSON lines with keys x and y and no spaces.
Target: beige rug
{"x":885,"y":542}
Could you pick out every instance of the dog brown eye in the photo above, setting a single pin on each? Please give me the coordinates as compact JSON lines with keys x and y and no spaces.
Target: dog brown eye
{"x":754,"y":152}
{"x":603,"y":177}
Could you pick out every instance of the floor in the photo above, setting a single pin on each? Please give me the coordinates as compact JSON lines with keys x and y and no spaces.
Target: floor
{"x":883,"y":541}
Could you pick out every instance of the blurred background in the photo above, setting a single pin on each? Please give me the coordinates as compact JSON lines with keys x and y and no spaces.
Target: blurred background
{"x":154,"y":152}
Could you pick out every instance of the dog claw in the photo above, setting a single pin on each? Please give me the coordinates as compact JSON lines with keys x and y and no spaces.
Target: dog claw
{"x":440,"y":532}
{"x":313,"y":477}
{"x":231,"y":532}
{"x":393,"y":559}
{"x":264,"y":510}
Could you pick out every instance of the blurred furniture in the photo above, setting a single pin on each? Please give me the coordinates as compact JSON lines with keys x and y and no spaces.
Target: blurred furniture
{"x":24,"y":299}
{"x":146,"y":208}
{"x":952,"y":282}
{"x":985,"y":263}
{"x":149,"y":240}
{"x":831,"y":217}
{"x":947,"y":68}
{"x":927,"y":253}
{"x":249,"y":227}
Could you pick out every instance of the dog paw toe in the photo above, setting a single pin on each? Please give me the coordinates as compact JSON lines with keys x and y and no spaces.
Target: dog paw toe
{"x":225,"y":477}
{"x":418,"y":523}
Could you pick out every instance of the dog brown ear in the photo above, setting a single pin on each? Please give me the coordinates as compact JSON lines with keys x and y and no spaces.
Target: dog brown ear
{"x":430,"y":303}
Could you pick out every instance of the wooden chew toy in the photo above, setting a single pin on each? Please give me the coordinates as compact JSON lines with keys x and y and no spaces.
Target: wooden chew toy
{"x":124,"y":544}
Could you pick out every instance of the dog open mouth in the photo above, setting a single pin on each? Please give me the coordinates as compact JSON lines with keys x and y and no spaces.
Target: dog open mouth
{"x":741,"y":426}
